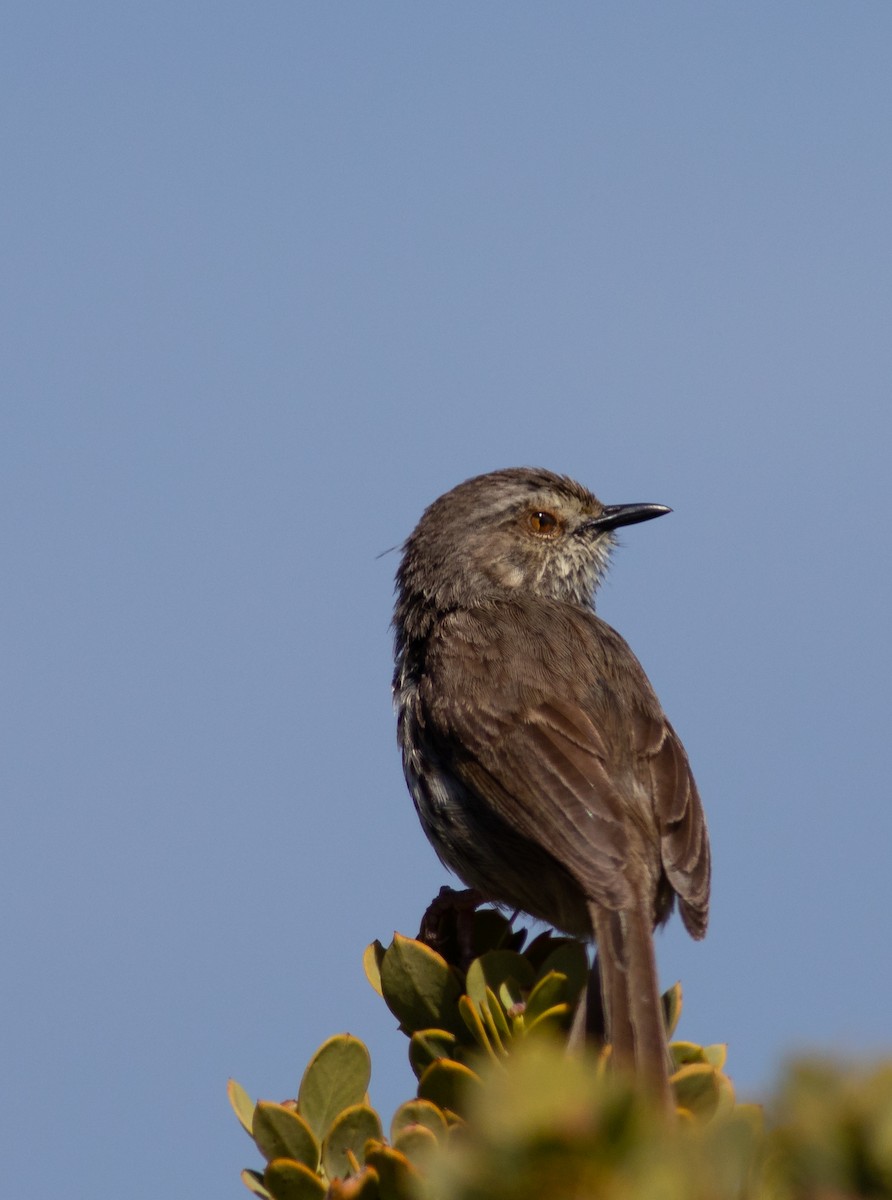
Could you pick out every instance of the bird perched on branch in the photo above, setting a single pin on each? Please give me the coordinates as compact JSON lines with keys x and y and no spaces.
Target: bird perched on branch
{"x":540,"y":761}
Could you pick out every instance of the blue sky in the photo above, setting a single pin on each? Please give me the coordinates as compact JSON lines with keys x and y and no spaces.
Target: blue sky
{"x":277,"y":275}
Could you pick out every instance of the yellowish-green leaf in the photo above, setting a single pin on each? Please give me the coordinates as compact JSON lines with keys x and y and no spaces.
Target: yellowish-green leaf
{"x":496,"y":1020}
{"x":684,"y":1053}
{"x":337,"y":1077}
{"x":498,"y":968}
{"x":397,"y":1178}
{"x":242,"y":1105}
{"x":417,"y":1143}
{"x":418,"y":1112}
{"x":281,"y":1133}
{"x":471,"y":1016}
{"x":419,"y":987}
{"x":716,"y":1054}
{"x":348,"y":1135}
{"x":448,"y":1084}
{"x":287,"y":1180}
{"x":430,"y":1045}
{"x":672,"y":1002}
{"x":697,"y":1089}
{"x":727,"y":1097}
{"x":363,"y":1186}
{"x":550,"y":989}
{"x":371,"y":963}
{"x":552,"y":1020}
{"x":253,"y":1181}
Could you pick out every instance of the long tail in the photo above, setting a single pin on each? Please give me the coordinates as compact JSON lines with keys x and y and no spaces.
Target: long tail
{"x":630,"y":996}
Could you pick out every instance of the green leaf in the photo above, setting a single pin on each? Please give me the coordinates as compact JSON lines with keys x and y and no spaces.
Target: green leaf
{"x":363,"y":1186}
{"x":397,"y":1178}
{"x":727,"y":1095}
{"x":671,"y":1001}
{"x":570,"y":959}
{"x":697,"y":1089}
{"x":470,"y":1013}
{"x":717,"y":1054}
{"x":496,"y":1020}
{"x":337,"y":1077}
{"x":430,"y":1045}
{"x":684,"y":1053}
{"x":549,"y":991}
{"x":242,"y":1104}
{"x":253,"y":1181}
{"x":350,"y":1130}
{"x":541,"y":948}
{"x":417,"y":1143}
{"x":287,"y":1180}
{"x":447,"y":1084}
{"x":492,"y":931}
{"x":419,"y":987}
{"x":418,"y":1112}
{"x":553,"y":1019}
{"x":495,"y":969}
{"x":371,"y":963}
{"x":281,"y":1133}
{"x":511,"y":997}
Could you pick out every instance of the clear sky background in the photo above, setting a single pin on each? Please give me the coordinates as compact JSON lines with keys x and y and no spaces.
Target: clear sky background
{"x":275,"y":275}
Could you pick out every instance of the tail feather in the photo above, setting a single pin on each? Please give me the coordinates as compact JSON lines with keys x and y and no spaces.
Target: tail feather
{"x":630,"y":996}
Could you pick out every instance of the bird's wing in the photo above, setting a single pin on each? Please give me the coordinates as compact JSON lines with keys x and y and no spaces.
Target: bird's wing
{"x":538,"y":759}
{"x":545,"y":775}
{"x":559,"y":768}
{"x":684,"y":843}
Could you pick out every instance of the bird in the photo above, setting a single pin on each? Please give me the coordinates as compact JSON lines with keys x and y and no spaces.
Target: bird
{"x":541,"y":764}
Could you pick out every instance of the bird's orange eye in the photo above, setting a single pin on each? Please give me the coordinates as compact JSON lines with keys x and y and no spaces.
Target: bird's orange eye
{"x":543,"y":522}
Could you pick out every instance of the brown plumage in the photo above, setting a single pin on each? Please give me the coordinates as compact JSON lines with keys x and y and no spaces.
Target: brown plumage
{"x":540,"y":761}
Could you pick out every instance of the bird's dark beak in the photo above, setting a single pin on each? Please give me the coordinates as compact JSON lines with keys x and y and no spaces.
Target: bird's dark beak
{"x":614,"y":515}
